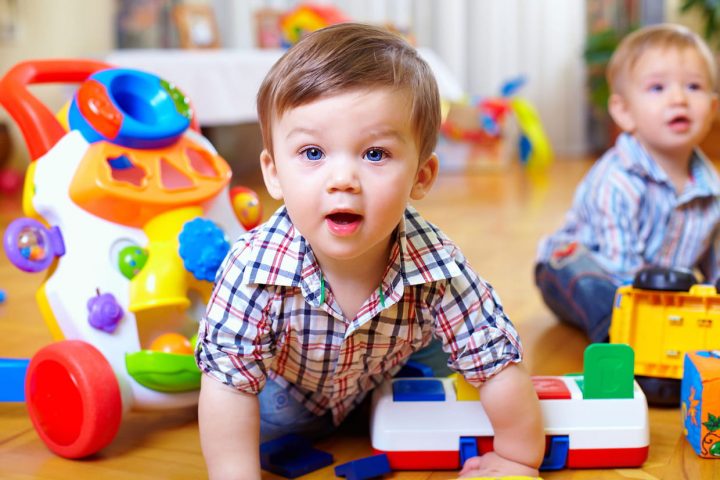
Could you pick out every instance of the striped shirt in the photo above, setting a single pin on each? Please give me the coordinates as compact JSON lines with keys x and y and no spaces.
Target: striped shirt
{"x":265,"y":318}
{"x":627,"y":211}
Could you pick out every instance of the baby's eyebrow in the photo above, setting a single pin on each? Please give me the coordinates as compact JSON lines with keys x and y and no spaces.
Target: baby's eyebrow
{"x":385,"y":133}
{"x":302,"y":130}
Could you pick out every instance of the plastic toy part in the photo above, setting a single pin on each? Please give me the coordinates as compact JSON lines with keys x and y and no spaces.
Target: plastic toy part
{"x":31,"y":246}
{"x":163,"y":372}
{"x":163,"y":281}
{"x":131,"y":260}
{"x":468,"y":449}
{"x":364,"y":468}
{"x":662,"y":316}
{"x":414,"y":370}
{"x":429,"y":390}
{"x":292,"y":456}
{"x":73,"y":398}
{"x":172,"y":343}
{"x":246,"y":205}
{"x":132,"y":186}
{"x":119,"y":207}
{"x":130,"y":108}
{"x":537,"y":152}
{"x":38,"y":125}
{"x":666,"y":279}
{"x":203,"y":247}
{"x":660,"y":392}
{"x":3,"y":296}
{"x":104,"y":312}
{"x":13,"y":372}
{"x":608,"y":371}
{"x":581,"y":432}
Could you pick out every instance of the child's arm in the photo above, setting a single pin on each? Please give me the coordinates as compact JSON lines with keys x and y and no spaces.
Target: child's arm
{"x":229,"y":431}
{"x":513,"y":408}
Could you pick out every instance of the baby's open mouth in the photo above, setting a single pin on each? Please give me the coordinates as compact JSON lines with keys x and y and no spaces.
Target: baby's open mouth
{"x":344,"y":218}
{"x":679,"y":121}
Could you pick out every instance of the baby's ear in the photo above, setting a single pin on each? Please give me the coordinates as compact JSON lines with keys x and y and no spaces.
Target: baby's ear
{"x":270,"y":175}
{"x":620,"y":113}
{"x":425,"y":177}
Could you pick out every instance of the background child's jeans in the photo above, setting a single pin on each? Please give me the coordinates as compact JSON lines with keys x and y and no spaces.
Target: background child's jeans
{"x":281,"y":414}
{"x":579,"y":291}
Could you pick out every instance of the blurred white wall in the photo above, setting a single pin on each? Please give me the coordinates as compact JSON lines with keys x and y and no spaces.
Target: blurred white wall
{"x":35,"y":29}
{"x":483,"y":42}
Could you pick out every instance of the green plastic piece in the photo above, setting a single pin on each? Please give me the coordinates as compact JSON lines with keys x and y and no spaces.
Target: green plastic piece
{"x":131,"y":260}
{"x":182,"y":103}
{"x":609,"y":371}
{"x":163,"y":372}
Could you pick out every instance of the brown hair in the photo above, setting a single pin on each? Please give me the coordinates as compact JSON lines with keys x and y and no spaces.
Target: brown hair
{"x":661,"y":36}
{"x":351,"y":56}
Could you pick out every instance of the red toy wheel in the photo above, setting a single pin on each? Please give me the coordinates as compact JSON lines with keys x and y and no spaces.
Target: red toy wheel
{"x":73,"y":398}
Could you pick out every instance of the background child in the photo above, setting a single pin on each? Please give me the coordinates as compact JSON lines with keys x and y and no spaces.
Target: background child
{"x":652,"y":199}
{"x":330,"y":296}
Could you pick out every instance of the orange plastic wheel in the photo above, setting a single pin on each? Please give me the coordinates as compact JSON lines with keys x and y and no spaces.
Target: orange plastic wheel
{"x":73,"y":398}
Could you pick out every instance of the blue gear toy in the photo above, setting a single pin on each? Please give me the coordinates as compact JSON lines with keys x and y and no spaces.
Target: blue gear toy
{"x":202,"y":247}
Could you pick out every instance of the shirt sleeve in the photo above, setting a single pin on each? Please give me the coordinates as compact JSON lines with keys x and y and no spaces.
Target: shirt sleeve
{"x":234,"y":336}
{"x":474,"y":329}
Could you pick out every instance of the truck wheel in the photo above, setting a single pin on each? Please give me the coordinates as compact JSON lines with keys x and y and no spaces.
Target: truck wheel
{"x":667,"y":279}
{"x":73,"y":398}
{"x":660,"y":392}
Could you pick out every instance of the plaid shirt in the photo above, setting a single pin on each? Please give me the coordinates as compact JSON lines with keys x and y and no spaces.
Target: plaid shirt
{"x":265,"y":319}
{"x":628,"y":212}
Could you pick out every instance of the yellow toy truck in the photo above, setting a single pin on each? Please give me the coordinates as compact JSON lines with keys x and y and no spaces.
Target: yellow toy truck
{"x":663,"y":315}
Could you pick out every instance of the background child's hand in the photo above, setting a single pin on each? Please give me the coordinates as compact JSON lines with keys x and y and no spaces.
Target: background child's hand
{"x":493,"y":465}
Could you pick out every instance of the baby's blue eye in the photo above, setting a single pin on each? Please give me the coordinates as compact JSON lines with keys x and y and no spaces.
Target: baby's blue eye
{"x":656,"y":87}
{"x":375,"y":155}
{"x":694,"y":86}
{"x":313,"y":153}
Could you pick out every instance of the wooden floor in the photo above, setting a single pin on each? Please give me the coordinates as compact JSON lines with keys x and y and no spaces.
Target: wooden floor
{"x":496,"y":218}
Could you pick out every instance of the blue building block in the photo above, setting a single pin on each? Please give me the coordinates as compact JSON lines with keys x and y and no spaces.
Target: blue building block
{"x":292,"y":456}
{"x":364,"y":468}
{"x":468,"y":449}
{"x":556,"y":456}
{"x":12,"y":379}
{"x":418,"y":391}
{"x":414,"y":370}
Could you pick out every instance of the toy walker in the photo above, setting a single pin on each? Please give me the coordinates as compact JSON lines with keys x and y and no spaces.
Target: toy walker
{"x":129,"y":213}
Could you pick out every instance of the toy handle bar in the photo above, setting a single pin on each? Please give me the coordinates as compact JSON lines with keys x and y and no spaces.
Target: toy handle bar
{"x":38,"y":125}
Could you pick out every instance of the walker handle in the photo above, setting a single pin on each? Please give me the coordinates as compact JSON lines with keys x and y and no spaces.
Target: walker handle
{"x":38,"y":125}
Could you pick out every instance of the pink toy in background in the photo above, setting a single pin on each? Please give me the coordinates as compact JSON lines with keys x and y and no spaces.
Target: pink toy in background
{"x":128,"y":210}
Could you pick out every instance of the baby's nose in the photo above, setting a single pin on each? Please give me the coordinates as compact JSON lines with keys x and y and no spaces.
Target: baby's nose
{"x":344,"y":175}
{"x":678,"y":94}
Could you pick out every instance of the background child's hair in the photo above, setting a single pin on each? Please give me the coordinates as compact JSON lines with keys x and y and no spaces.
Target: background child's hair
{"x":661,"y":36}
{"x":351,"y":56}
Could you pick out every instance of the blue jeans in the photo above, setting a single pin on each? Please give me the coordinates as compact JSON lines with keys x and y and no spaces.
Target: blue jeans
{"x":579,"y":291}
{"x":281,"y":414}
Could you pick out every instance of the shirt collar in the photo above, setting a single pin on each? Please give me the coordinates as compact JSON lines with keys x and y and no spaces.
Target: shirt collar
{"x":281,"y":256}
{"x":636,"y":159}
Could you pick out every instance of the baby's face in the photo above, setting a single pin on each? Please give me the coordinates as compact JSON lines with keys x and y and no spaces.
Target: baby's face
{"x":670,"y":99}
{"x":346,"y":166}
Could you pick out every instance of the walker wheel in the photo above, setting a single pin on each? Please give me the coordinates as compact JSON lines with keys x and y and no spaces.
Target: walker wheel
{"x":73,"y":398}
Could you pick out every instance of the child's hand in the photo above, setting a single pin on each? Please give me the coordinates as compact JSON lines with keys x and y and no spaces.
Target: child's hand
{"x":493,"y":465}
